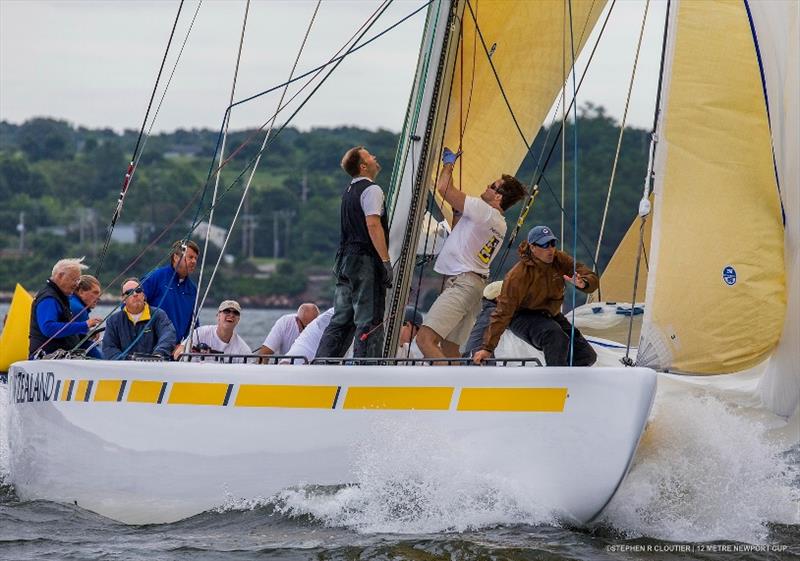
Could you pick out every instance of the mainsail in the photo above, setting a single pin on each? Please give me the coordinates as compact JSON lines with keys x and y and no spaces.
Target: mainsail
{"x":716,"y":294}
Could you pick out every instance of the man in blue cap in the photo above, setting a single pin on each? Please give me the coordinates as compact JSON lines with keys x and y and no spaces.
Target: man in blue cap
{"x":531,"y":298}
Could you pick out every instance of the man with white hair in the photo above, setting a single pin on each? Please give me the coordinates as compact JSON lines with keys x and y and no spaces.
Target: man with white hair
{"x":220,"y":338}
{"x":52,"y":326}
{"x":287,"y":329}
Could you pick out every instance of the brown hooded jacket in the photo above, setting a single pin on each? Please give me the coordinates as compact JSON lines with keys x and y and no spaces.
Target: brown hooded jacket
{"x":534,"y":285}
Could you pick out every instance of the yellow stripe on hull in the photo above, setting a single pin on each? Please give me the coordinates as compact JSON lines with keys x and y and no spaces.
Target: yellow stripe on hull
{"x":398,"y":398}
{"x":197,"y":393}
{"x":549,"y":400}
{"x":311,"y":397}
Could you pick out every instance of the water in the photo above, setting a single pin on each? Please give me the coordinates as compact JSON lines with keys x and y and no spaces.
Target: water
{"x":706,"y":483}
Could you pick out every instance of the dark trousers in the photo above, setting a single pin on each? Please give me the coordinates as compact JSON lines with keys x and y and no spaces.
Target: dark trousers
{"x":358,"y":307}
{"x":551,"y":335}
{"x":476,"y":335}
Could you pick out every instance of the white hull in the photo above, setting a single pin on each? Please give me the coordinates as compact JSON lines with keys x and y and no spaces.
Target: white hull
{"x":565,"y":437}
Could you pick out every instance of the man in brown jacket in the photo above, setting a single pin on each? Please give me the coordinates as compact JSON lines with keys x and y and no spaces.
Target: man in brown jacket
{"x":531,"y":298}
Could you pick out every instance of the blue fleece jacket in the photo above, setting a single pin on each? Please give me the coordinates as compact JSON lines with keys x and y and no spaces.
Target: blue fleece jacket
{"x":163,"y":289}
{"x":81,"y":313}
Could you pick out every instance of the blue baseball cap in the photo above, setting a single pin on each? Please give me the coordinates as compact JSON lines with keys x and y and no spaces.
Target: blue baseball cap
{"x":411,"y":314}
{"x":541,"y":235}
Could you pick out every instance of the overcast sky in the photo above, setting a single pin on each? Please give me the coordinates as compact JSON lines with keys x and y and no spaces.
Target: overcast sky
{"x":94,"y":63}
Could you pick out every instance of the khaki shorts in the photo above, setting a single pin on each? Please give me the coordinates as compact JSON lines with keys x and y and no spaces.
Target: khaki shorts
{"x":455,"y":310}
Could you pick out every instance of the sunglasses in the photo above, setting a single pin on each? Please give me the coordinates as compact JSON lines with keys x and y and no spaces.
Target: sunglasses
{"x":551,"y":243}
{"x":230,"y":311}
{"x":132,"y":291}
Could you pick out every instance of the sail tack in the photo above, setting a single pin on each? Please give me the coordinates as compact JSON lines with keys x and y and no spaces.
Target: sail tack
{"x":716,"y":286}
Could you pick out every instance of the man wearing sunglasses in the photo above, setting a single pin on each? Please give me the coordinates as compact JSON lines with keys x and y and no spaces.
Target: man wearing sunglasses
{"x":479,"y":227}
{"x":530,"y":303}
{"x":137,"y":328}
{"x":222,"y":337}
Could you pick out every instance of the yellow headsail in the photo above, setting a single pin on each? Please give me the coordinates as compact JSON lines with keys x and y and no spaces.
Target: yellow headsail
{"x":716,"y":287}
{"x":14,"y":339}
{"x":528,"y":42}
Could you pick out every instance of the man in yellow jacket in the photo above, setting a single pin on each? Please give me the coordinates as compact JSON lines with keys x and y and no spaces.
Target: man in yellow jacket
{"x":531,"y":298}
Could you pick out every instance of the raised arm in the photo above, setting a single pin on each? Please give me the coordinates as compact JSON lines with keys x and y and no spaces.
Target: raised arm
{"x":444,"y":184}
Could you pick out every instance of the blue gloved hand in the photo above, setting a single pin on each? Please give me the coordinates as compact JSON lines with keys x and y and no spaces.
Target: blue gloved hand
{"x":448,"y":157}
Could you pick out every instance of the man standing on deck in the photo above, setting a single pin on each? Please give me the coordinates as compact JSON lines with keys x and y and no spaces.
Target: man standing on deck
{"x":170,"y":288}
{"x":52,"y":326}
{"x":531,"y":298}
{"x":478,"y":231}
{"x":363,"y":270}
{"x":81,"y":303}
{"x":287,"y":329}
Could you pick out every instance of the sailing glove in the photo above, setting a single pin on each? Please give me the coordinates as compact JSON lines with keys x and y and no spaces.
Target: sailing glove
{"x":388,"y":274}
{"x":449,"y":157}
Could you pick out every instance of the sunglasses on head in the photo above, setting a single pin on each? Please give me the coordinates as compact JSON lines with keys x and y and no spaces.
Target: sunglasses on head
{"x":230,"y":311}
{"x":132,"y":291}
{"x":551,"y":243}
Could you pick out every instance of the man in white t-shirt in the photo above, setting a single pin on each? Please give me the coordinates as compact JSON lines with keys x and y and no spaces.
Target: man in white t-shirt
{"x":221,"y":338}
{"x":286,"y":330}
{"x":479,"y":227}
{"x":308,"y":343}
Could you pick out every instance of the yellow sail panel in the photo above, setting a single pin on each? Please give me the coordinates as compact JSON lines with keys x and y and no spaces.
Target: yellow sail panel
{"x":717,"y":292}
{"x":14,"y":339}
{"x":528,"y":38}
{"x":616,"y":282}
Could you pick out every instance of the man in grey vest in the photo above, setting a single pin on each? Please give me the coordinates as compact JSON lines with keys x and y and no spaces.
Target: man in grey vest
{"x":363,"y":270}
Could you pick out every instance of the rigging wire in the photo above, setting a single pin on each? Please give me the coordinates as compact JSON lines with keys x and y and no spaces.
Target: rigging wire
{"x":541,"y":177}
{"x":619,"y":139}
{"x":575,"y":188}
{"x":195,"y":310}
{"x":131,"y":165}
{"x":644,"y":203}
{"x":201,"y":190}
{"x":196,"y":219}
{"x":255,"y":165}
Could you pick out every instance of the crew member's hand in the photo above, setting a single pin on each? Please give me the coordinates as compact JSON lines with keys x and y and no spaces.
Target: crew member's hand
{"x":577,"y":280}
{"x":93,"y":322}
{"x":481,"y":355}
{"x":388,"y":274}
{"x":449,"y":157}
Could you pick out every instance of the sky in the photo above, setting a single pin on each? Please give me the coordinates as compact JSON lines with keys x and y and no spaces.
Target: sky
{"x":94,"y":63}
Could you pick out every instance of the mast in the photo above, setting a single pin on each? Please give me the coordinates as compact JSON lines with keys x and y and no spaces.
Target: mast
{"x":416,"y":160}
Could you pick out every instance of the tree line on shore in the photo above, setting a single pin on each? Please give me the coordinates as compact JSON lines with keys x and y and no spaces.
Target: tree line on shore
{"x":63,"y":182}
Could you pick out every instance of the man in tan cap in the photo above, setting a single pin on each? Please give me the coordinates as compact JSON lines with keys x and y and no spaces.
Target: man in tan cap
{"x":221,"y":338}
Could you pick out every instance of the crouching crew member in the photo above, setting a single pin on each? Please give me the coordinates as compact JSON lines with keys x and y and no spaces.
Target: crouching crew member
{"x":531,"y":298}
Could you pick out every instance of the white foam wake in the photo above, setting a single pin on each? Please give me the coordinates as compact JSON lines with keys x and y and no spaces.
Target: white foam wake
{"x":704,"y":471}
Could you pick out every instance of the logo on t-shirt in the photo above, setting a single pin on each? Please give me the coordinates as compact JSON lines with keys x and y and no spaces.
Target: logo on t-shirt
{"x":486,"y":252}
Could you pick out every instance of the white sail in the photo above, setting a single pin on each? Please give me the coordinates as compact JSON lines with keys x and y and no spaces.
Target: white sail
{"x":776,"y":26}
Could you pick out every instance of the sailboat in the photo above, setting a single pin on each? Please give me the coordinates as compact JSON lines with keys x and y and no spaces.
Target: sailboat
{"x":155,"y":442}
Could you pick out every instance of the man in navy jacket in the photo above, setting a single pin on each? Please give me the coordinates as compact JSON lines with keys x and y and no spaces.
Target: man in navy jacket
{"x":137,"y":327}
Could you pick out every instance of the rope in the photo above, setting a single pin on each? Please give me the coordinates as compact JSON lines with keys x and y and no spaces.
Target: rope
{"x":540,"y":169}
{"x":132,"y":165}
{"x":621,"y":133}
{"x":195,"y":310}
{"x":258,"y":160}
{"x":201,"y":190}
{"x":644,"y":203}
{"x":575,"y":189}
